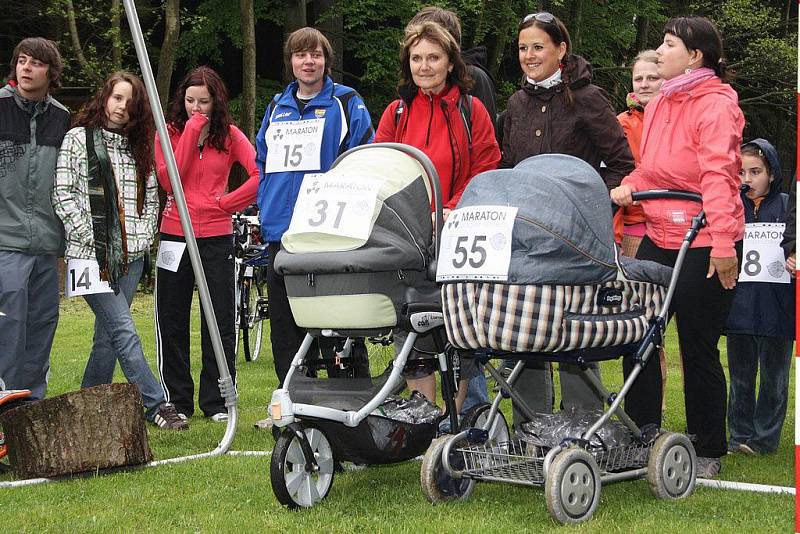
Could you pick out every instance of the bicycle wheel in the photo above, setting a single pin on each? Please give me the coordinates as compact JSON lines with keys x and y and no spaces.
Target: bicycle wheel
{"x":254,"y":301}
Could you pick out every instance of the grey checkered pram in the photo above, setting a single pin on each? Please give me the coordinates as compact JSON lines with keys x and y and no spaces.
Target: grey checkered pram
{"x":565,"y":295}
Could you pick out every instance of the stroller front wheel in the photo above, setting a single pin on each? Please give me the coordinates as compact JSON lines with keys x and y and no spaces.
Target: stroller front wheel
{"x":297,"y":481}
{"x":437,"y":485}
{"x":672,"y":467}
{"x":572,"y":486}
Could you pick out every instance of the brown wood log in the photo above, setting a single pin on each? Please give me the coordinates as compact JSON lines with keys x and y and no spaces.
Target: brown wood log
{"x":85,"y":430}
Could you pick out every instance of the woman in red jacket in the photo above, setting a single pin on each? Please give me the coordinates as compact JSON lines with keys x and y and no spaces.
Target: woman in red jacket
{"x":206,"y":146}
{"x":690,"y":140}
{"x":429,"y":116}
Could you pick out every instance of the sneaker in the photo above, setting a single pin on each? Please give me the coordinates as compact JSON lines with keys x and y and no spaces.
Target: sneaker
{"x":708,"y":467}
{"x":167,"y":417}
{"x":221,"y":417}
{"x":264,"y":424}
{"x":744,"y":448}
{"x":183,"y":416}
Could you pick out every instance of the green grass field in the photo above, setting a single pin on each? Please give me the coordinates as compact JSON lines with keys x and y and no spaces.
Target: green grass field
{"x":233,"y":493}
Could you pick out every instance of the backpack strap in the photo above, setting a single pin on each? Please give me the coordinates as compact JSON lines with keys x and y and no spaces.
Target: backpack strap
{"x":465,"y":107}
{"x":344,"y":100}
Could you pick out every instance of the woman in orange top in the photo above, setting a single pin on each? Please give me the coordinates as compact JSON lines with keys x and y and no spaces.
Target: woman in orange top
{"x":629,"y":226}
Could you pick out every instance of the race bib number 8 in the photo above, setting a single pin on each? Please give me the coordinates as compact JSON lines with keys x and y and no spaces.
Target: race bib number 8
{"x":335,"y":205}
{"x":762,"y":258}
{"x":476,"y":244}
{"x":294,"y":145}
{"x":83,"y":278}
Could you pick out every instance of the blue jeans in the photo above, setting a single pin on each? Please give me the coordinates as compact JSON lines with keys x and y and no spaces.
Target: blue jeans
{"x":115,"y":338}
{"x":476,"y":392}
{"x":757,"y":422}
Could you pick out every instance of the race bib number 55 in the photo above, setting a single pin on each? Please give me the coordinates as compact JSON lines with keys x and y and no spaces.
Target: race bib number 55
{"x":476,"y":244}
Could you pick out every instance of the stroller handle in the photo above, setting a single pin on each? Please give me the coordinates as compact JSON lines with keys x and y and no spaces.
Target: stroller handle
{"x":670,"y":194}
{"x":433,"y":180}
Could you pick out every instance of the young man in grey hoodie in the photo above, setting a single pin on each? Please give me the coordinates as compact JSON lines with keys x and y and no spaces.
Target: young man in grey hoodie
{"x":32,"y":125}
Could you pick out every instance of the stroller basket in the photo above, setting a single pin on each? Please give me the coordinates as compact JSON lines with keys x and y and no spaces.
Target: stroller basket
{"x":521,"y":462}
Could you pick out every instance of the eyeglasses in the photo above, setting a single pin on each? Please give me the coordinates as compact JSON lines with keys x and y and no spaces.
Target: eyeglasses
{"x":542,"y":16}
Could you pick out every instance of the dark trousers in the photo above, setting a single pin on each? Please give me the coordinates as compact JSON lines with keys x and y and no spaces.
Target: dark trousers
{"x":173,"y":300}
{"x":700,"y":306}
{"x":285,"y":336}
{"x":757,"y":422}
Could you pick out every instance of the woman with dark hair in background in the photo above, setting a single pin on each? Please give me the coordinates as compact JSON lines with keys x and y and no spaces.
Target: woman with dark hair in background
{"x":206,"y":146}
{"x":559,"y":110}
{"x":106,"y":195}
{"x":691,"y":139}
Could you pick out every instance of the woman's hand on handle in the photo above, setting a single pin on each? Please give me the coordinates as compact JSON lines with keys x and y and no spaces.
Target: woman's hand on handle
{"x":621,"y":196}
{"x":727,"y":270}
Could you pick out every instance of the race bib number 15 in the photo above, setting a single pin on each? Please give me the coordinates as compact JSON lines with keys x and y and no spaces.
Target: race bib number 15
{"x":294,"y":145}
{"x":83,"y":278}
{"x":476,"y":244}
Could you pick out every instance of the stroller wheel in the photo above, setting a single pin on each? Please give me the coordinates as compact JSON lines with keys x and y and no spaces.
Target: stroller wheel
{"x":437,"y":485}
{"x":476,"y":417}
{"x":297,"y":482}
{"x":672,"y":468}
{"x":572,"y":486}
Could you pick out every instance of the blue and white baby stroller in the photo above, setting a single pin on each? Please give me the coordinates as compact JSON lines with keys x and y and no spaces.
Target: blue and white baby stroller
{"x":530,"y":271}
{"x":358,"y":261}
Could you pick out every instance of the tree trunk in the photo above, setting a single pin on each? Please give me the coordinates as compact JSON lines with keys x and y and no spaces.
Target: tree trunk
{"x":116,"y":44}
{"x":333,"y":28}
{"x":642,"y":29}
{"x":577,"y":22}
{"x":85,"y":430}
{"x":248,"y":108}
{"x":76,"y":43}
{"x":166,"y":59}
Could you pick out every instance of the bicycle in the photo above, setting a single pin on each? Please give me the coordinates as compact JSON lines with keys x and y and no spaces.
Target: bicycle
{"x":250,"y":275}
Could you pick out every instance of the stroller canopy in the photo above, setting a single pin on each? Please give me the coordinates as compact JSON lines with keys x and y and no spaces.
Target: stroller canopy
{"x":562,"y":232}
{"x":398,"y":234}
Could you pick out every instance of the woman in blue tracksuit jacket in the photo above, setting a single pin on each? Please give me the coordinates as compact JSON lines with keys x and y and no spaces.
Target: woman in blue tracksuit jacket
{"x":760,"y":328}
{"x":346,"y":125}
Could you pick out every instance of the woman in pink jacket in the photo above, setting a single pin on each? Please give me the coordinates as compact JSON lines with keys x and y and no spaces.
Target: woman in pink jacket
{"x":206,"y":146}
{"x":691,"y":139}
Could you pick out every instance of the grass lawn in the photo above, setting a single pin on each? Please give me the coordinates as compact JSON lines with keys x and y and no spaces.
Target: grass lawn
{"x":233,"y":493}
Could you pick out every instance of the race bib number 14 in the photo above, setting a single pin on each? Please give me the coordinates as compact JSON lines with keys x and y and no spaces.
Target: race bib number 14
{"x":476,"y":244}
{"x":762,"y":255}
{"x":83,"y":278}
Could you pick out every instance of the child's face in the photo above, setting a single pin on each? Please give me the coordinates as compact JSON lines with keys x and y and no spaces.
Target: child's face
{"x":755,"y":174}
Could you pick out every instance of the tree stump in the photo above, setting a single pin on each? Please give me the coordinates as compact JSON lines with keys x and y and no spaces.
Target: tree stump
{"x":85,"y":430}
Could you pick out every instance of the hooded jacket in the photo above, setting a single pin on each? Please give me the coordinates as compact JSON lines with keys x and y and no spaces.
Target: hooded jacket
{"x":30,"y":135}
{"x":434,"y":125}
{"x":632,"y":121}
{"x":762,"y":308}
{"x":347,"y":125}
{"x":541,"y":121}
{"x":691,"y":141}
{"x":204,"y":177}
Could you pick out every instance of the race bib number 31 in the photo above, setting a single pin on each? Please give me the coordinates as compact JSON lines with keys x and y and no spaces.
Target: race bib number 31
{"x":83,"y":278}
{"x":335,"y":205}
{"x":294,"y":145}
{"x":762,"y":257}
{"x":476,"y":244}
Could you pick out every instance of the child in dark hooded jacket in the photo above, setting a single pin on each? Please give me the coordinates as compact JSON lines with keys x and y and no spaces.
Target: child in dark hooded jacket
{"x":760,"y":328}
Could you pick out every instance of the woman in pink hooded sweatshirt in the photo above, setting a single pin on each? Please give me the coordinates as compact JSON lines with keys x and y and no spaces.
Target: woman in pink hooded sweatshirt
{"x":691,"y":138}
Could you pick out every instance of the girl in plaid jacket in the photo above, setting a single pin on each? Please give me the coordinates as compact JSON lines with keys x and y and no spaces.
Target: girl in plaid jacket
{"x":106,"y":195}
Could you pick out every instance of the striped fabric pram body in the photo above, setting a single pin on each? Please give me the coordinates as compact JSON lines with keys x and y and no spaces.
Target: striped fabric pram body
{"x":547,"y":318}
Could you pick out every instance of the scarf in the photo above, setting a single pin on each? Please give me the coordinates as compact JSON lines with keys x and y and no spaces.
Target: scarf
{"x":633,"y":102}
{"x":110,"y":243}
{"x":686,"y":82}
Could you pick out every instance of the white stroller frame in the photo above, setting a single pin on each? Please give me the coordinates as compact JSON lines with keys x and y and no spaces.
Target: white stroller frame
{"x":572,"y":476}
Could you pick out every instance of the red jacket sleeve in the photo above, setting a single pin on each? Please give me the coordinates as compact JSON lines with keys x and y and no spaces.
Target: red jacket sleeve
{"x":242,"y":151}
{"x":485,"y":154}
{"x":386,"y":127}
{"x":184,"y":145}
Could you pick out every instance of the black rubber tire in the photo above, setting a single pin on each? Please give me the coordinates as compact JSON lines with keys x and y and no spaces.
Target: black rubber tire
{"x":572,"y":486}
{"x":251,"y":324}
{"x":672,"y":467}
{"x":287,"y":469}
{"x":476,"y":416}
{"x":436,"y":484}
